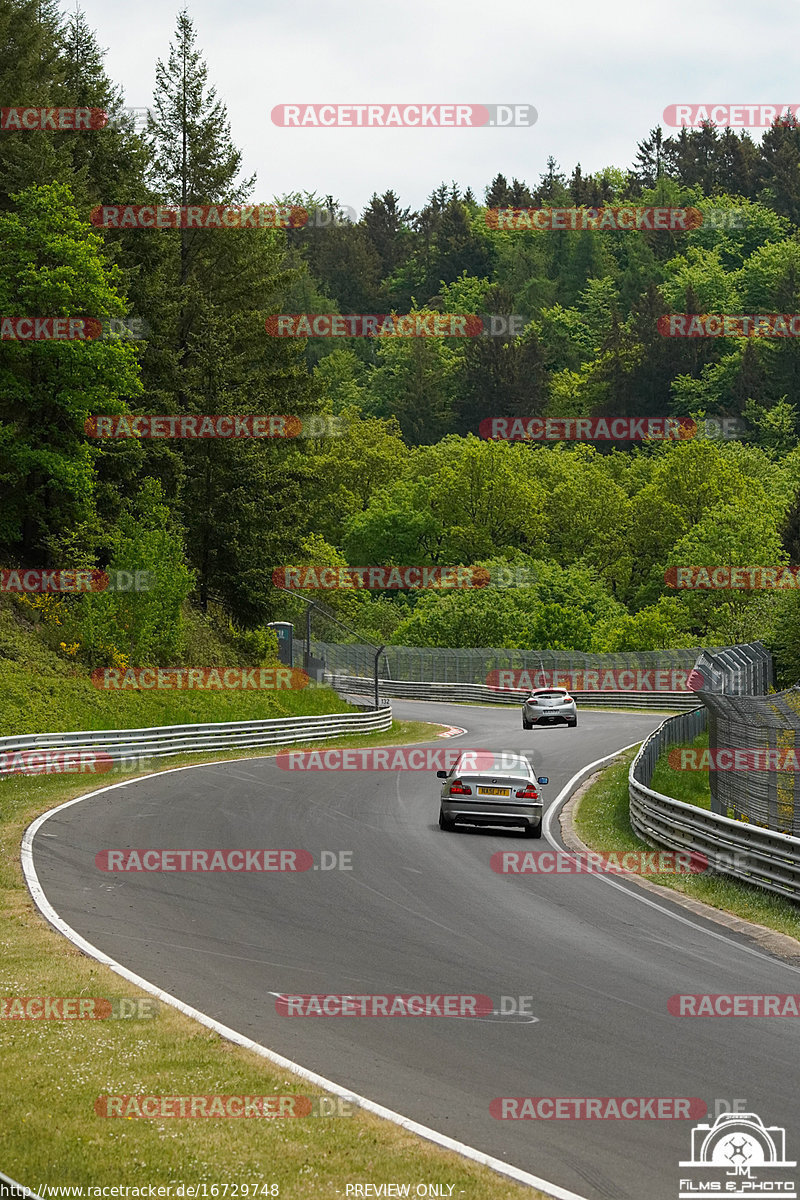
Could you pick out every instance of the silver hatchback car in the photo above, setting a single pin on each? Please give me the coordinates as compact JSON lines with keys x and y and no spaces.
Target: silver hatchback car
{"x":491,"y":789}
{"x":545,"y":706}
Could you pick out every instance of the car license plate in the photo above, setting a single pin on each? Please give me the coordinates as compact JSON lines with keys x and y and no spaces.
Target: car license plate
{"x":482,"y":791}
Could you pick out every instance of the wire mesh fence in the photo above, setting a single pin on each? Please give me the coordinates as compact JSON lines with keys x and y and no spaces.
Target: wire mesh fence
{"x":756,"y":731}
{"x":744,"y":670}
{"x":747,"y":730}
{"x":437,"y":664}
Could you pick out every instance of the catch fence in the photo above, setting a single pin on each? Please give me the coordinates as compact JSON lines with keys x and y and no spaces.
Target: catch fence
{"x":437,"y":664}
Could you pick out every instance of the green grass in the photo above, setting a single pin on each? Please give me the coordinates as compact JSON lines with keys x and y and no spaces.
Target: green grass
{"x":691,"y":787}
{"x":602,"y":821}
{"x":41,"y":691}
{"x":51,"y":704}
{"x":53,"y":1071}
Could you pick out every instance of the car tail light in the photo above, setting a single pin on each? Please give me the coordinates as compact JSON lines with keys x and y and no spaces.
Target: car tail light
{"x":567,"y":700}
{"x":457,"y":788}
{"x":528,"y":793}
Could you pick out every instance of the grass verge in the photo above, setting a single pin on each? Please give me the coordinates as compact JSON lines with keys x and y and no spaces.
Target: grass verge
{"x":42,"y":691}
{"x":53,"y":1071}
{"x":602,"y":821}
{"x":689,"y":786}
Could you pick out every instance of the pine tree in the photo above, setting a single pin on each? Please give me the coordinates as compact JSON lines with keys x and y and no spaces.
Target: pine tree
{"x":738,"y":163}
{"x":779,"y":168}
{"x":207,"y":300}
{"x":649,"y":162}
{"x":31,"y":75}
{"x":520,"y":195}
{"x":109,"y":163}
{"x":387,"y":226}
{"x":552,"y":188}
{"x":498,"y":193}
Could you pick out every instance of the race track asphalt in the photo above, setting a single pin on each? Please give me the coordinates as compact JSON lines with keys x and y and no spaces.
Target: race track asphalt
{"x":422,"y":911}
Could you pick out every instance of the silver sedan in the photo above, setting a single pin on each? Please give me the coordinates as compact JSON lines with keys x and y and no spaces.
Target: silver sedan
{"x":492,"y":789}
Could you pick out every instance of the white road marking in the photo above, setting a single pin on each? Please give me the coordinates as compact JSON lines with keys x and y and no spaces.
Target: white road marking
{"x":634,"y":892}
{"x":232,"y":1035}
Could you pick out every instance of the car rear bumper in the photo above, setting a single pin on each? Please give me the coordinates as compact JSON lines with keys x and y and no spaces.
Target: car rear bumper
{"x":548,"y":715}
{"x":480,"y":813}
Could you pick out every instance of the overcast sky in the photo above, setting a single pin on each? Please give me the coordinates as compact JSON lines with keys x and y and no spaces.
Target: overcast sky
{"x":599,"y":75}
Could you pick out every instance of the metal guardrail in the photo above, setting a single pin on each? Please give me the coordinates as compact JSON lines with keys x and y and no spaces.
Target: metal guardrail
{"x":120,"y":744}
{"x":751,"y":853}
{"x":454,"y":693}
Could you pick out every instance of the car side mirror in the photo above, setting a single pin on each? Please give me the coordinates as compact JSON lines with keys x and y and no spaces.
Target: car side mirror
{"x":542,"y":779}
{"x":441,"y":774}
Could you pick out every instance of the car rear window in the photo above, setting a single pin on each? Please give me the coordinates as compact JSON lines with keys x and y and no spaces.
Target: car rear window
{"x":476,"y":763}
{"x":514,"y":782}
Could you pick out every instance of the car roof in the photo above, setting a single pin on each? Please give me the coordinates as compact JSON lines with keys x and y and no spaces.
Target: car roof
{"x":535,"y":691}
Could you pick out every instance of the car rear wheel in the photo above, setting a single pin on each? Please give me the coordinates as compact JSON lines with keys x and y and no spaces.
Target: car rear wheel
{"x":533,"y":831}
{"x":444,"y":823}
{"x":572,"y":724}
{"x":527,"y":724}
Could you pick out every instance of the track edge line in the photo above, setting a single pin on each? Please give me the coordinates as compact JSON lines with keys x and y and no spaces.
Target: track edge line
{"x":431,"y":1135}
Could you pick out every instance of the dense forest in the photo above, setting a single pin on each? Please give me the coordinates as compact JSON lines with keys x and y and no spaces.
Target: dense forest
{"x":589,"y":530}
